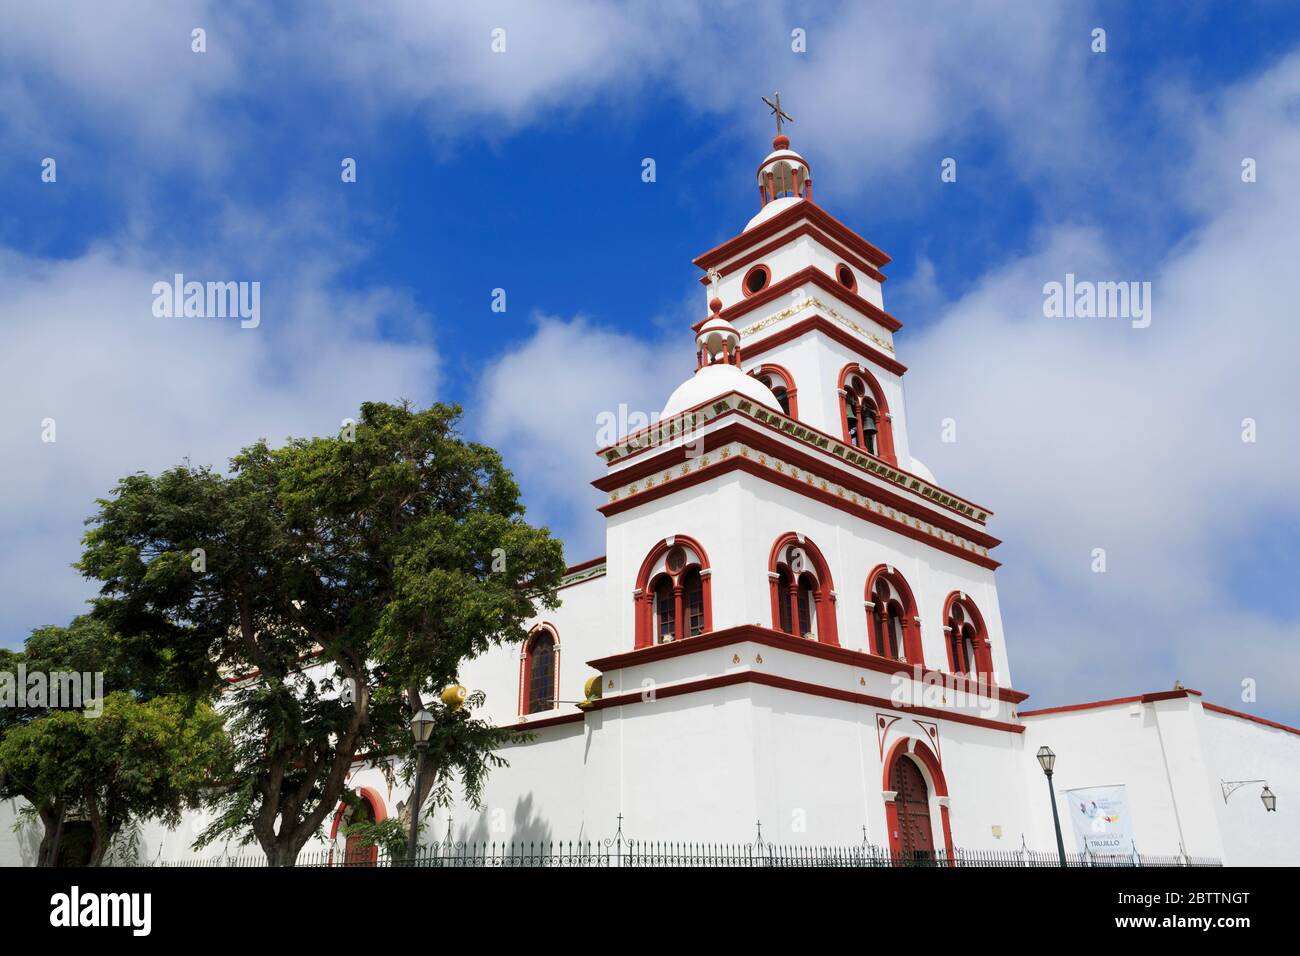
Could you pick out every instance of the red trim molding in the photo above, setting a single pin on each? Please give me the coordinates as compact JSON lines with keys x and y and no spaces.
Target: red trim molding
{"x":834,"y":332}
{"x":737,"y":463}
{"x":1114,"y":701}
{"x":1251,"y":717}
{"x":809,"y":464}
{"x":661,"y":435}
{"x":770,"y":637}
{"x":801,"y":210}
{"x":801,"y":687}
{"x":584,"y":565}
{"x":805,"y":276}
{"x":525,"y":725}
{"x":804,"y":229}
{"x":759,"y":435}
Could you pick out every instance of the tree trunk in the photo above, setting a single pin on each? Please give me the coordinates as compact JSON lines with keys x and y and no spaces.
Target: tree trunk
{"x":99,"y":847}
{"x":48,"y":855}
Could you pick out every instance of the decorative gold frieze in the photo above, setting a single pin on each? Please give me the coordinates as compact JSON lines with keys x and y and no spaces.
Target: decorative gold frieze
{"x":813,"y":302}
{"x":734,"y":403}
{"x":784,"y":468}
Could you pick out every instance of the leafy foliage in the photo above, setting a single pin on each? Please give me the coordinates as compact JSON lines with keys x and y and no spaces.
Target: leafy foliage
{"x":136,"y":760}
{"x":351,"y":577}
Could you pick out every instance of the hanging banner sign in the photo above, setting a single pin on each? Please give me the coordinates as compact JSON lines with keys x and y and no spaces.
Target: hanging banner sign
{"x":1103,"y":825}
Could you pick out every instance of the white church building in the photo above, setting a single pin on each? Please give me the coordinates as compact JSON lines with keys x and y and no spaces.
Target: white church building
{"x":795,"y":623}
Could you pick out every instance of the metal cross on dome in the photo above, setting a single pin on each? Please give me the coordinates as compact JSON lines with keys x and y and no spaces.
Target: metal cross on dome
{"x":780,"y":114}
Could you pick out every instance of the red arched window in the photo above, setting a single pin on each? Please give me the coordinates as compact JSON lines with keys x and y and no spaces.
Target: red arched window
{"x":672,"y":597}
{"x":891,"y":617}
{"x":781,"y":382}
{"x":865,"y":413}
{"x":539,"y":673}
{"x":803,"y":595}
{"x":969,"y":650}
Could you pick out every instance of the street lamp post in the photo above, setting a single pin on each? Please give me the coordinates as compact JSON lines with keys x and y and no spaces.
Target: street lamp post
{"x":421,"y":731}
{"x":1047,"y":760}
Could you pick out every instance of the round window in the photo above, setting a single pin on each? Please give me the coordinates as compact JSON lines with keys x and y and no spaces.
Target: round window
{"x":846,"y":277}
{"x":756,"y":279}
{"x":676,"y":560}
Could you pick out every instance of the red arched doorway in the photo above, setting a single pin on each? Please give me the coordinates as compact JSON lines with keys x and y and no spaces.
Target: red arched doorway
{"x":911,"y":772}
{"x":915,"y":833}
{"x":369,"y":808}
{"x":354,"y":853}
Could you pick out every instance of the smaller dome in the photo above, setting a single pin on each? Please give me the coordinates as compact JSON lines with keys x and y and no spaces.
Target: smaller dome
{"x":717,"y":323}
{"x":783,"y":177}
{"x":789,"y":155}
{"x":715,"y":335}
{"x":709,"y":382}
{"x":919,"y":469}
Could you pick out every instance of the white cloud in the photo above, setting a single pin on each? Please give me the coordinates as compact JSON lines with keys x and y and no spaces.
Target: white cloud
{"x":1084,"y":433}
{"x":1079,"y":433}
{"x":879,"y":87}
{"x":129,"y":391}
{"x":540,"y":405}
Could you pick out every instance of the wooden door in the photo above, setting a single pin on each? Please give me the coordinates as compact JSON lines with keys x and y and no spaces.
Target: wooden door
{"x":915,"y":836}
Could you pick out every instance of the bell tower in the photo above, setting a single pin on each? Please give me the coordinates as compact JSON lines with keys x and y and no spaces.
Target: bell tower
{"x":784,"y":456}
{"x":804,"y":293}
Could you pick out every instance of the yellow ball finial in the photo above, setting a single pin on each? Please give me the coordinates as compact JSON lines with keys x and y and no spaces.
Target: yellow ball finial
{"x":454,"y":697}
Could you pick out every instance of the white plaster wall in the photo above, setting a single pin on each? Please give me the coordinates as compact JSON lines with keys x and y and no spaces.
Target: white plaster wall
{"x":706,"y":766}
{"x":17,"y":848}
{"x":539,"y":798}
{"x":821,"y":766}
{"x":1103,"y":747}
{"x":1172,"y":755}
{"x":1238,"y":749}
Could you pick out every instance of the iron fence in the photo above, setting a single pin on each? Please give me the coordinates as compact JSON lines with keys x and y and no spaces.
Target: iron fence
{"x":620,"y":851}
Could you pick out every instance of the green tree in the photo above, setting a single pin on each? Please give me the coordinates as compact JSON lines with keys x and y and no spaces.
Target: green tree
{"x":352,"y":575}
{"x":137,"y":760}
{"x":148,"y":754}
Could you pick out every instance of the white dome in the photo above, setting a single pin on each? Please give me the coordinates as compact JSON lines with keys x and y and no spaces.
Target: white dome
{"x":713,"y":380}
{"x":921,"y":471}
{"x":775,"y":207}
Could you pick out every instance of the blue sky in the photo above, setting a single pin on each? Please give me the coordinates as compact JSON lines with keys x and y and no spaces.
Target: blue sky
{"x":522,"y":170}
